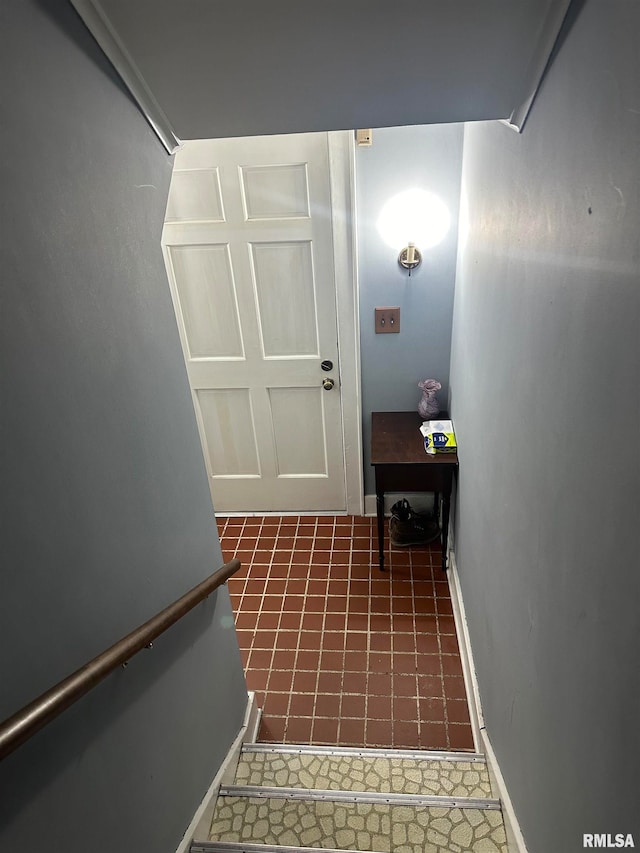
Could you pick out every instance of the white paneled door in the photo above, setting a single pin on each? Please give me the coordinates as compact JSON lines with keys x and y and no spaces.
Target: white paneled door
{"x":249,"y":252}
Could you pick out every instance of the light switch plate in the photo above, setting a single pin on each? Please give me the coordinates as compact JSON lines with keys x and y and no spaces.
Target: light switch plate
{"x":387,"y":321}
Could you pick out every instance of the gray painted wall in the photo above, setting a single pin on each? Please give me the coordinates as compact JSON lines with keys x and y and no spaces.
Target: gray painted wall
{"x":401,"y":158}
{"x":545,"y":386}
{"x":106,"y":514}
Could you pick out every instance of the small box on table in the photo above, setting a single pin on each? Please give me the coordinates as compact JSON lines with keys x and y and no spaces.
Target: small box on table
{"x":439,"y":437}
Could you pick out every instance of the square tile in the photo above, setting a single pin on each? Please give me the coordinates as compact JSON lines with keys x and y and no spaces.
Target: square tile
{"x":355,"y":661}
{"x":404,"y":642}
{"x":433,"y":736}
{"x":356,"y":640}
{"x":446,"y":625}
{"x":245,"y":620}
{"x":429,"y":664}
{"x":457,"y":711}
{"x":291,"y":621}
{"x":332,"y":661}
{"x":257,"y":679}
{"x":337,"y":586}
{"x":449,"y":644}
{"x":287,"y":640}
{"x":379,"y":684}
{"x":312,"y":621}
{"x":428,"y":644}
{"x":276,"y":704}
{"x":379,"y":733}
{"x":380,"y":642}
{"x":351,"y":732}
{"x":379,"y":707}
{"x":431,"y":709}
{"x":283,"y":659}
{"x":330,"y":682}
{"x":404,"y":708}
{"x":296,"y":586}
{"x":430,"y":686}
{"x":310,"y":639}
{"x":272,"y":729}
{"x":405,"y":734}
{"x":325,"y":731}
{"x":334,"y":621}
{"x":263,"y":639}
{"x":304,"y":681}
{"x":352,"y":706}
{"x":302,"y":704}
{"x":356,"y":682}
{"x":280,"y":681}
{"x":454,"y":687}
{"x":328,"y":705}
{"x":307,"y":659}
{"x":405,"y":685}
{"x":379,"y":662}
{"x":460,"y":737}
{"x":403,"y":662}
{"x":451,"y":665}
{"x":333,"y":640}
{"x":298,"y":730}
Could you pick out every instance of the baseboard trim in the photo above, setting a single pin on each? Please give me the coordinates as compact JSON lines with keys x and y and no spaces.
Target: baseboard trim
{"x":296,"y":513}
{"x":420,"y":501}
{"x":201,"y":821}
{"x":515,"y":839}
{"x":482,"y":743}
{"x":466,"y":655}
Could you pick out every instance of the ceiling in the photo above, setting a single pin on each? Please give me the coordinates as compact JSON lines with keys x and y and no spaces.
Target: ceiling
{"x":215,"y":68}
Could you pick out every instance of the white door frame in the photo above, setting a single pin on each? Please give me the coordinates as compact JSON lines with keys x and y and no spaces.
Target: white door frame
{"x":343,"y":213}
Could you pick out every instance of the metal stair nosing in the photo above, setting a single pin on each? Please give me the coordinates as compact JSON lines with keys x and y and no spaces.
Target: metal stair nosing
{"x":363,"y":752}
{"x":253,"y":847}
{"x":337,"y":796}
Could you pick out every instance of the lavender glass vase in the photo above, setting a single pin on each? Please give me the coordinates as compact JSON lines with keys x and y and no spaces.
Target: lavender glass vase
{"x":428,"y":407}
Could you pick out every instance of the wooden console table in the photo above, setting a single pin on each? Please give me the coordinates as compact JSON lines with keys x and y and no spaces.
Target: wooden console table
{"x":402,"y":465}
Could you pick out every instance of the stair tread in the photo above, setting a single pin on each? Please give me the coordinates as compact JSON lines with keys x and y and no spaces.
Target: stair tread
{"x":342,"y":772}
{"x":357,"y":826}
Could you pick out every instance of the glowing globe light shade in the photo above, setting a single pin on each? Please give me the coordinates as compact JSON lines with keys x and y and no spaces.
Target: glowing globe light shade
{"x":414,"y":216}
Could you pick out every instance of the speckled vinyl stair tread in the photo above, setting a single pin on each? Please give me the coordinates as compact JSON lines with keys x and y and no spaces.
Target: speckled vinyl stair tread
{"x":358,"y":826}
{"x":360,"y":774}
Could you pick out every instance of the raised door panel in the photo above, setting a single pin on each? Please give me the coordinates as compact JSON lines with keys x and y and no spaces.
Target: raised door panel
{"x":275,"y":191}
{"x":227,"y":421}
{"x":195,"y":196}
{"x":208,"y":301}
{"x":298,"y":422}
{"x":286,"y":299}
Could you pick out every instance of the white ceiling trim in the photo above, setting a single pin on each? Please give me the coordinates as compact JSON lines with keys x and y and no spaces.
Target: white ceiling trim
{"x":549,"y":32}
{"x":99,"y":26}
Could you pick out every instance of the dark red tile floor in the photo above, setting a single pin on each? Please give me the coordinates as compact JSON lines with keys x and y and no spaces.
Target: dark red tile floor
{"x":337,"y":651}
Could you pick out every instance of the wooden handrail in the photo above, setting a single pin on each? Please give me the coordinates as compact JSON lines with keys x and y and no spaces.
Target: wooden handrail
{"x":22,"y":725}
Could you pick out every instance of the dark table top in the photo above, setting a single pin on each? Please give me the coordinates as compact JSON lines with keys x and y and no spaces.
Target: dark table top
{"x":396,"y":440}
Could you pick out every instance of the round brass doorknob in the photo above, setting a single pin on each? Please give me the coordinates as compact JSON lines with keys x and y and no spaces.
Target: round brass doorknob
{"x":328,"y":384}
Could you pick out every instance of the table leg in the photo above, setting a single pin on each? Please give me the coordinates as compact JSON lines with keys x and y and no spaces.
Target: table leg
{"x":380,"y":514}
{"x":446,"y":498}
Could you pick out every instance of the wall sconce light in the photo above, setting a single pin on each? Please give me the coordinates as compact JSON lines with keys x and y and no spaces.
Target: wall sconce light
{"x":411,"y":222}
{"x":410,"y":258}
